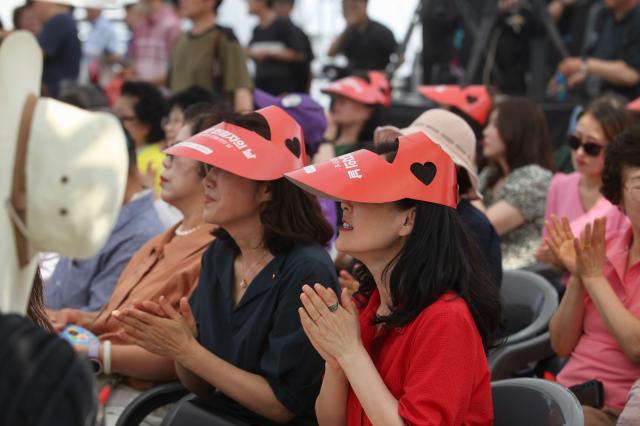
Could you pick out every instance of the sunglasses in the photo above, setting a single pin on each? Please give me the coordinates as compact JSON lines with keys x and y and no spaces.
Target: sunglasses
{"x":589,"y":148}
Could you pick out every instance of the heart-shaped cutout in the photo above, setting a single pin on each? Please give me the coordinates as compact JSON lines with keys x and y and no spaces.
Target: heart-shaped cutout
{"x":472,"y":99}
{"x":424,"y":172}
{"x":294,"y":146}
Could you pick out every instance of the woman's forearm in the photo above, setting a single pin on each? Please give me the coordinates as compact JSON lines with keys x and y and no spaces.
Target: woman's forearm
{"x":331,"y":405}
{"x":192,"y":382}
{"x":565,"y":327}
{"x":377,"y":401}
{"x":621,"y":323}
{"x":83,"y":318}
{"x":133,"y":361}
{"x":250,"y":390}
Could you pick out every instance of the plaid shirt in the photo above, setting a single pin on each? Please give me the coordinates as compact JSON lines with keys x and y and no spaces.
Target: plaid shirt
{"x":152,"y":41}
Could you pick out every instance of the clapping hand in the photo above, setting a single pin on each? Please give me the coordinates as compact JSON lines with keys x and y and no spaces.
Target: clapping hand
{"x":560,"y":241}
{"x":158,"y":328}
{"x":332,"y":326}
{"x":590,"y":250}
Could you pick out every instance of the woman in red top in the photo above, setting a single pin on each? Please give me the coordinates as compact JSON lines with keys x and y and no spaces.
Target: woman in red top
{"x":415,"y":352}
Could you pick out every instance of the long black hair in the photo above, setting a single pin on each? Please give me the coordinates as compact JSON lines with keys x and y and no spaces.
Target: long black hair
{"x":439,"y":256}
{"x":523,"y":128}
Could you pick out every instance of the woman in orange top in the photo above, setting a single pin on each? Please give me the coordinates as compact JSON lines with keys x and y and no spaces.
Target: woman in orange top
{"x":166,"y":268}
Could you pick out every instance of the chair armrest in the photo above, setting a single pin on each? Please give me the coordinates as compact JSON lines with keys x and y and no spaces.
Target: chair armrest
{"x":150,"y":400}
{"x":548,"y":272}
{"x":504,"y":360}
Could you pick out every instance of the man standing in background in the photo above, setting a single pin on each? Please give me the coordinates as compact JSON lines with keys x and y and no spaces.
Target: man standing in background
{"x":152,"y":41}
{"x":210,"y":56}
{"x":303,"y":76}
{"x":367,"y":44}
{"x":60,"y":45}
{"x":101,"y":49}
{"x":276,"y":48}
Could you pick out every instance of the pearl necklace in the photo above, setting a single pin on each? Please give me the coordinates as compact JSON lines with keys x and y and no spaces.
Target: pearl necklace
{"x":184,"y":232}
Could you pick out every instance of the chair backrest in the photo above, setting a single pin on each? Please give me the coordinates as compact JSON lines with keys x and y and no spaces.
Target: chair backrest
{"x":189,"y":411}
{"x":507,"y":361}
{"x":150,"y":400}
{"x":534,"y":402}
{"x":529,"y":301}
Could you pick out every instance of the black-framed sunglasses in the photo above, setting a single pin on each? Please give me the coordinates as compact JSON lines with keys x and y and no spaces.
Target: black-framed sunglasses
{"x":590,"y":148}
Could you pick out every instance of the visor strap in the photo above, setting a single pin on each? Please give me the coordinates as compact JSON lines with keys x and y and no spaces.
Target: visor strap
{"x":17,"y":205}
{"x":15,"y":219}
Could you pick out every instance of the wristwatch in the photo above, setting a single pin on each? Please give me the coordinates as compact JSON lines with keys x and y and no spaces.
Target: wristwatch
{"x":94,"y":356}
{"x":86,"y":342}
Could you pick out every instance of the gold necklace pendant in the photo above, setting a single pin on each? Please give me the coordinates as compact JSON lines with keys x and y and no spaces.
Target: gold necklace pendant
{"x":243,"y":284}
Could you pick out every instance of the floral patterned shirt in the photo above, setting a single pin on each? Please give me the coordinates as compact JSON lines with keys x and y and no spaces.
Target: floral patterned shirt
{"x":525,"y":188}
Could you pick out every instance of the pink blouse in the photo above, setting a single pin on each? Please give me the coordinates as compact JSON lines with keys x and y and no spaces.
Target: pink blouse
{"x":597,"y":354}
{"x":564,"y":200}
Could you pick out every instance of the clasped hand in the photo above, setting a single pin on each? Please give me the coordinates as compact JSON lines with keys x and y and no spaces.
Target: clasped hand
{"x":334,"y":334}
{"x":158,"y":327}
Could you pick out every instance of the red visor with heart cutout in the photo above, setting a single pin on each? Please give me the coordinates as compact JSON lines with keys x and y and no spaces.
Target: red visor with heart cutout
{"x":245,"y":153}
{"x":634,"y":105}
{"x":376,"y":92}
{"x":474,"y":100}
{"x":421,"y":171}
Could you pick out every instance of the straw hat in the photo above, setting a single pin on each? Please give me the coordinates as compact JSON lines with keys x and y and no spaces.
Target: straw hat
{"x":62,"y":173}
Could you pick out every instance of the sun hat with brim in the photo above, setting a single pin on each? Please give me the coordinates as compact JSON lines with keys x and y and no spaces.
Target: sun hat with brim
{"x":473,"y":100}
{"x":307,"y":112}
{"x":634,"y":105}
{"x":455,"y":136}
{"x":376,"y":91}
{"x":244,"y":152}
{"x":421,"y":170}
{"x":62,"y":173}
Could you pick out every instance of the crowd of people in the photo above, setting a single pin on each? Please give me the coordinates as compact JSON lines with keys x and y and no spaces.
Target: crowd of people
{"x":295,"y":265}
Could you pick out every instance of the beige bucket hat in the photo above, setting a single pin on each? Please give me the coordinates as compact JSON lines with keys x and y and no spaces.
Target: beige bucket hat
{"x":62,"y":173}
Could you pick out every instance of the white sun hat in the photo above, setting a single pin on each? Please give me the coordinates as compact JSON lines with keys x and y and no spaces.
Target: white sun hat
{"x":62,"y":173}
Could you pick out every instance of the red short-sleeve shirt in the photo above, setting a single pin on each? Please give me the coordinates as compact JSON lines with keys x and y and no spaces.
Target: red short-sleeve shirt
{"x":434,"y":366}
